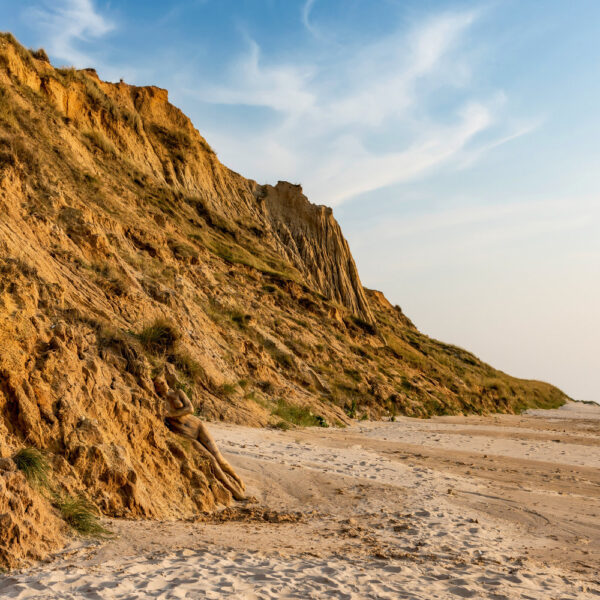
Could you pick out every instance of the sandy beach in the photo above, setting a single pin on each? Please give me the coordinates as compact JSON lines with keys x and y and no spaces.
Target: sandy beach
{"x":452,"y":507}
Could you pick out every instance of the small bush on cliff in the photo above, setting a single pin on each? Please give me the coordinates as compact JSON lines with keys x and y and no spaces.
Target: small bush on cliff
{"x":40,"y":54}
{"x":160,"y":337}
{"x":81,"y":515}
{"x":34,"y":466}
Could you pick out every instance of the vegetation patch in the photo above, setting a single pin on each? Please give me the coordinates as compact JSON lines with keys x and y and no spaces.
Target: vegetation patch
{"x":228,"y":389}
{"x":182,"y":251}
{"x":368,"y":328}
{"x":111,"y":280}
{"x":34,"y":466}
{"x":98,"y":140}
{"x":81,"y":515}
{"x":298,"y":415}
{"x":241,"y":319}
{"x":160,"y":337}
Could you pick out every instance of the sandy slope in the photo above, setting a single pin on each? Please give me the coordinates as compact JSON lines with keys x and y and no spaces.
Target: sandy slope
{"x":453,"y":507}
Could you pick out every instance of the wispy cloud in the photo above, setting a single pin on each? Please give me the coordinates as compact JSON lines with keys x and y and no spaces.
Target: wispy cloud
{"x":491,"y":222}
{"x":306,"y":9}
{"x":329,"y":108}
{"x":67,"y":26}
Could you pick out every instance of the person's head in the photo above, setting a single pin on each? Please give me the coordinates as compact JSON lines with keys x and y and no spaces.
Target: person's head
{"x":160,"y":385}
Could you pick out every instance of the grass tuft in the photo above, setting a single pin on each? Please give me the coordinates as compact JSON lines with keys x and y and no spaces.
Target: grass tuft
{"x":40,"y":54}
{"x":34,"y":466}
{"x":160,"y":337}
{"x":81,"y":515}
{"x":100,"y":141}
{"x":297,"y":415}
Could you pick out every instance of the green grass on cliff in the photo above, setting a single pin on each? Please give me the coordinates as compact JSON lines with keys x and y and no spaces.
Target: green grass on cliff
{"x":297,"y":415}
{"x":80,"y":515}
{"x":34,"y":466}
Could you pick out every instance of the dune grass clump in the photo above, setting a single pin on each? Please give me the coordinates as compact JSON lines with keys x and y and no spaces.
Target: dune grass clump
{"x":40,"y":54}
{"x":80,"y":515}
{"x":297,"y":415}
{"x":160,"y":337}
{"x":100,"y":141}
{"x":34,"y":466}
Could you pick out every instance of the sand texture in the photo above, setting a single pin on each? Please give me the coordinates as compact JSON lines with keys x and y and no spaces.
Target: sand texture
{"x":452,"y":507}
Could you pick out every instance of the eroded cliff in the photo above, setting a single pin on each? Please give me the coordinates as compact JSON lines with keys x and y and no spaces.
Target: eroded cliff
{"x":117,"y":218}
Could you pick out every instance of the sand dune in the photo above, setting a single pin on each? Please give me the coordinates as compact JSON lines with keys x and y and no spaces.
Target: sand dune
{"x":451,"y":507}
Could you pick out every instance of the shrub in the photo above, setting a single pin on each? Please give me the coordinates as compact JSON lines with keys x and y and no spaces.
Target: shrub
{"x":34,"y":466}
{"x":81,"y":515}
{"x":160,"y":337}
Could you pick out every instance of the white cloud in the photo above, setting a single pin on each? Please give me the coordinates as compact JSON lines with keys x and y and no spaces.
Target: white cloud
{"x":328,"y":108}
{"x":66,"y":25}
{"x":281,"y":87}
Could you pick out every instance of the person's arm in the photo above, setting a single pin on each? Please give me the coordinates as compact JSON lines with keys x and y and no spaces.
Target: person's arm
{"x":186,"y":402}
{"x":178,"y":405}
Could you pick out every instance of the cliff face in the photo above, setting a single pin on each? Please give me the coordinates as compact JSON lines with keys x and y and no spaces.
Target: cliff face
{"x":116,"y":218}
{"x":312,"y":241}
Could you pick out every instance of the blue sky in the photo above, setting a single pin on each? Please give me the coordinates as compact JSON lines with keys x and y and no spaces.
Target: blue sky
{"x":459,"y":143}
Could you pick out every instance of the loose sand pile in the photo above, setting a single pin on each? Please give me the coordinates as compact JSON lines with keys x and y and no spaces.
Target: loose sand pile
{"x":447,"y":508}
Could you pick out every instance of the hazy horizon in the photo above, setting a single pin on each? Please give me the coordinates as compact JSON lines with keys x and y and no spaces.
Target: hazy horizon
{"x":456,"y":141}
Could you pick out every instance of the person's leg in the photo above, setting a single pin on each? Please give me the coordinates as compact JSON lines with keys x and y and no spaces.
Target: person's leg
{"x":207,"y":441}
{"x":236,"y":491}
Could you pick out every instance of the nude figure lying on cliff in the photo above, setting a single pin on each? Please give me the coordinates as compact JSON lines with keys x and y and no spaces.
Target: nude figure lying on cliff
{"x":180,"y":419}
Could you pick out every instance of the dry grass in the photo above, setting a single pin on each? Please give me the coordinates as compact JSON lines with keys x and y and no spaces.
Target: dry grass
{"x":98,"y":140}
{"x":160,"y":337}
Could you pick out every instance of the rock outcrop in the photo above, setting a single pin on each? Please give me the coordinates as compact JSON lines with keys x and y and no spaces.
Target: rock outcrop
{"x":312,"y":241}
{"x":125,"y":246}
{"x":29,"y":529}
